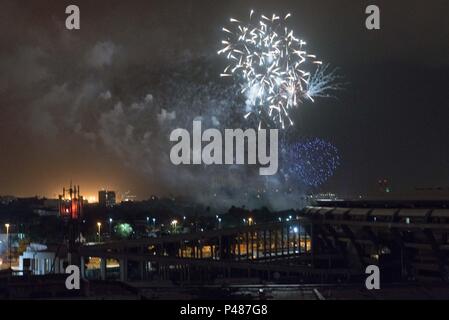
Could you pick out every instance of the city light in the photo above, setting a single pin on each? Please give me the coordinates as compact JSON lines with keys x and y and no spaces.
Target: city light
{"x":99,"y":231}
{"x":9,"y":243}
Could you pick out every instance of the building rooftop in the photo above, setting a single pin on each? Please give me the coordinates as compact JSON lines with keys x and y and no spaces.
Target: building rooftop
{"x":384,"y":203}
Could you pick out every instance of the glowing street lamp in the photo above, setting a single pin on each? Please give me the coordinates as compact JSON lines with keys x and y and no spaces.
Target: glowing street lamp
{"x":250,"y":221}
{"x":9,"y":243}
{"x":110,"y":226}
{"x":99,"y":231}
{"x":174,"y":223}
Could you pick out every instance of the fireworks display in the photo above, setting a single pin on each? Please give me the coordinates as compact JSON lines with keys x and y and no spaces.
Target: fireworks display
{"x":310,"y":162}
{"x":274,"y":70}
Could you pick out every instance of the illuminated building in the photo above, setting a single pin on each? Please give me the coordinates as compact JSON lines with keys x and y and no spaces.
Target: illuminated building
{"x":128,"y":197}
{"x":39,"y":259}
{"x":71,"y":203}
{"x":106,"y":198}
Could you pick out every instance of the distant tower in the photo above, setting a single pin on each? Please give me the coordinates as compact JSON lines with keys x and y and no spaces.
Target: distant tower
{"x":71,"y":203}
{"x":71,"y":210}
{"x":106,"y":198}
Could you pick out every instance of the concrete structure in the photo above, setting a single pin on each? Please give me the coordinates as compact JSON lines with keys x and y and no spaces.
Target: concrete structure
{"x":271,"y":250}
{"x":38,"y":259}
{"x":330,"y":241}
{"x":407,"y":239}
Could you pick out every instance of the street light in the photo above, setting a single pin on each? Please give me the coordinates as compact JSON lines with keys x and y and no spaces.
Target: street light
{"x":250,"y":221}
{"x":99,"y":231}
{"x":110,"y":226}
{"x":174,"y":223}
{"x":9,"y":244}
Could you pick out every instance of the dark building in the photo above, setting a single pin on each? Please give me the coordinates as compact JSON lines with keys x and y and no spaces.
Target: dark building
{"x":106,"y":198}
{"x":407,"y":239}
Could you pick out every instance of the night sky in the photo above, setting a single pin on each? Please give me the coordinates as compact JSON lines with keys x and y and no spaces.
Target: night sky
{"x":89,"y":105}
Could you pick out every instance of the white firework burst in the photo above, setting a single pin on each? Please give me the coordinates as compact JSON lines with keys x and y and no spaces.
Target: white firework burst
{"x":272,"y":66}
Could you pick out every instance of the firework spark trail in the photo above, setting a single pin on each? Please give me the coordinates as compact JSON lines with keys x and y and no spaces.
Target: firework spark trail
{"x":272,"y":66}
{"x":323,"y":82}
{"x":311,"y":162}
